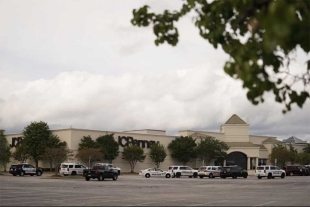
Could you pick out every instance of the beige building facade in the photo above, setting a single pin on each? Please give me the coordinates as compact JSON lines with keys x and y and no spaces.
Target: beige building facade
{"x":247,"y":151}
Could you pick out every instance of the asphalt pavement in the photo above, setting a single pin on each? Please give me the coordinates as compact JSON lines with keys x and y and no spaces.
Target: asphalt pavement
{"x":135,"y":190}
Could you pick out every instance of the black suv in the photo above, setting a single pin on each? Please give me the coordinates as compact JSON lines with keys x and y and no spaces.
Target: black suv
{"x":233,"y":171}
{"x":25,"y":169}
{"x":296,"y":170}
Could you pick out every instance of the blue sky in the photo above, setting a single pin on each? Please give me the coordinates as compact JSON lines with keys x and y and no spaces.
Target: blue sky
{"x":82,"y":64}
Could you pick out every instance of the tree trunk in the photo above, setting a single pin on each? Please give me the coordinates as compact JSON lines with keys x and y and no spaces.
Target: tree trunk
{"x":4,"y":167}
{"x":157,"y":164}
{"x":51,"y":165}
{"x":37,"y":163}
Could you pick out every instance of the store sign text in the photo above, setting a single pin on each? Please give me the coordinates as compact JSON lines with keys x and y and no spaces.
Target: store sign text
{"x":126,"y":141}
{"x":16,"y":141}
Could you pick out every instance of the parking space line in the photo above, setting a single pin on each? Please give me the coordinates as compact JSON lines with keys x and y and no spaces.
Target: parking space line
{"x":266,"y":203}
{"x":202,"y":204}
{"x":156,"y":202}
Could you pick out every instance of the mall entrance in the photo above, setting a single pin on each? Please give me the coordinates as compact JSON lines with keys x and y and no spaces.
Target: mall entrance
{"x":237,"y":158}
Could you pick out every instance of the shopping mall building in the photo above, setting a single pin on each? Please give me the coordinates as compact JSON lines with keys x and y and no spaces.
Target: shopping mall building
{"x":245,"y":150}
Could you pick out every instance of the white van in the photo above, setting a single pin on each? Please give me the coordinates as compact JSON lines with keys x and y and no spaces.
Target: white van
{"x":71,"y":168}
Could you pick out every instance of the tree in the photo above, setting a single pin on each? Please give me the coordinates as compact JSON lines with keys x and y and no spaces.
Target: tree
{"x":87,"y":142}
{"x":89,"y":156}
{"x":52,"y":145}
{"x":36,"y":136}
{"x":5,"y":152}
{"x":293,"y":154}
{"x":158,"y":153}
{"x":183,"y":149}
{"x":56,"y":155}
{"x":210,"y":148}
{"x":303,"y":158}
{"x":133,"y":154}
{"x":307,"y":148}
{"x":281,"y":154}
{"x":21,"y":153}
{"x":108,"y":147}
{"x":258,"y":35}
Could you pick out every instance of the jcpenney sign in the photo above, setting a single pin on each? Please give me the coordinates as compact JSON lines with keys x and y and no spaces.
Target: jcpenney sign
{"x":126,"y":141}
{"x":16,"y":141}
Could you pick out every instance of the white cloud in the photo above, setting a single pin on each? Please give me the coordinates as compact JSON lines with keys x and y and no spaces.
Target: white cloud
{"x":84,"y":64}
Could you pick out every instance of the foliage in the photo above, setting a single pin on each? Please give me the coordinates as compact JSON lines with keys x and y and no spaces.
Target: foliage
{"x":183,"y":149}
{"x":258,"y":35}
{"x":56,"y":155}
{"x":36,"y":136}
{"x":210,"y":148}
{"x":52,"y":145}
{"x":281,"y":153}
{"x":293,"y":154}
{"x":133,"y":154}
{"x":5,"y":152}
{"x":21,"y":153}
{"x":108,"y":147}
{"x":89,"y":156}
{"x":87,"y":142}
{"x":158,"y":153}
{"x":307,"y":148}
{"x":303,"y":158}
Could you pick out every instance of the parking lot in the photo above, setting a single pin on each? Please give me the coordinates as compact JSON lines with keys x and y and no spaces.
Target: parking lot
{"x":134,"y":190}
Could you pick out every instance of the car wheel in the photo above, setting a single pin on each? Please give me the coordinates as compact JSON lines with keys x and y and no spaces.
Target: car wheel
{"x":178,"y":175}
{"x":282,"y":175}
{"x":39,"y":173}
{"x":100,"y":178}
{"x":269,"y":176}
{"x":147,"y":175}
{"x":73,"y":173}
{"x":14,"y":174}
{"x":291,"y":173}
{"x":245,"y":177}
{"x":190,"y":176}
{"x":21,"y":173}
{"x":87,"y":179}
{"x":115,"y":176}
{"x":210,"y":175}
{"x":31,"y":174}
{"x":272,"y":177}
{"x":168,"y":175}
{"x":201,"y":177}
{"x":119,"y":172}
{"x":259,"y":177}
{"x":223,"y":177}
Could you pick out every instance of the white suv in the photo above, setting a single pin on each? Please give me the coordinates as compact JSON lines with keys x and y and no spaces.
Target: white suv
{"x":269,"y":171}
{"x":179,"y":171}
{"x":71,"y":168}
{"x":209,"y":171}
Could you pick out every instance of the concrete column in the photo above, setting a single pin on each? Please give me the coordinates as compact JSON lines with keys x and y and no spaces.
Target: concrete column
{"x":224,"y":163}
{"x":256,"y":162}
{"x":249,"y":163}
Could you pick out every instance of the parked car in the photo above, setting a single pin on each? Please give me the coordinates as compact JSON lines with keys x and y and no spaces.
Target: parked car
{"x":269,"y":171}
{"x":178,"y":171}
{"x":71,"y":168}
{"x":25,"y":169}
{"x":233,"y":171}
{"x":209,"y":171}
{"x":100,"y":172}
{"x":296,"y":170}
{"x":155,"y":172}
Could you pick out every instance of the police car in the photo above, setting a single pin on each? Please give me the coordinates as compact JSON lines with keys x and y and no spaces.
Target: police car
{"x":155,"y":172}
{"x":71,"y":168}
{"x":178,"y":171}
{"x":269,"y":171}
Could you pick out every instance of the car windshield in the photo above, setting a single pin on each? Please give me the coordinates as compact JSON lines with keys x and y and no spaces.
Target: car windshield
{"x":64,"y":166}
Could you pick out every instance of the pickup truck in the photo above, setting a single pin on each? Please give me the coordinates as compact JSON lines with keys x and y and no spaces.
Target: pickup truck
{"x":100,"y":172}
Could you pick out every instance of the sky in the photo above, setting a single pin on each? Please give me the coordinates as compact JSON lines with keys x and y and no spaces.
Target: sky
{"x":81,"y":64}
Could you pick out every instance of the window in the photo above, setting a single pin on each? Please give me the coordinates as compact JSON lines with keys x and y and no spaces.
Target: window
{"x":31,"y":166}
{"x":183,"y":168}
{"x":64,"y":166}
{"x":26,"y":166}
{"x":202,"y":168}
{"x":213,"y":168}
{"x":78,"y":166}
{"x":188,"y":168}
{"x":175,"y":168}
{"x":209,"y":168}
{"x":272,"y":168}
{"x":70,"y":166}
